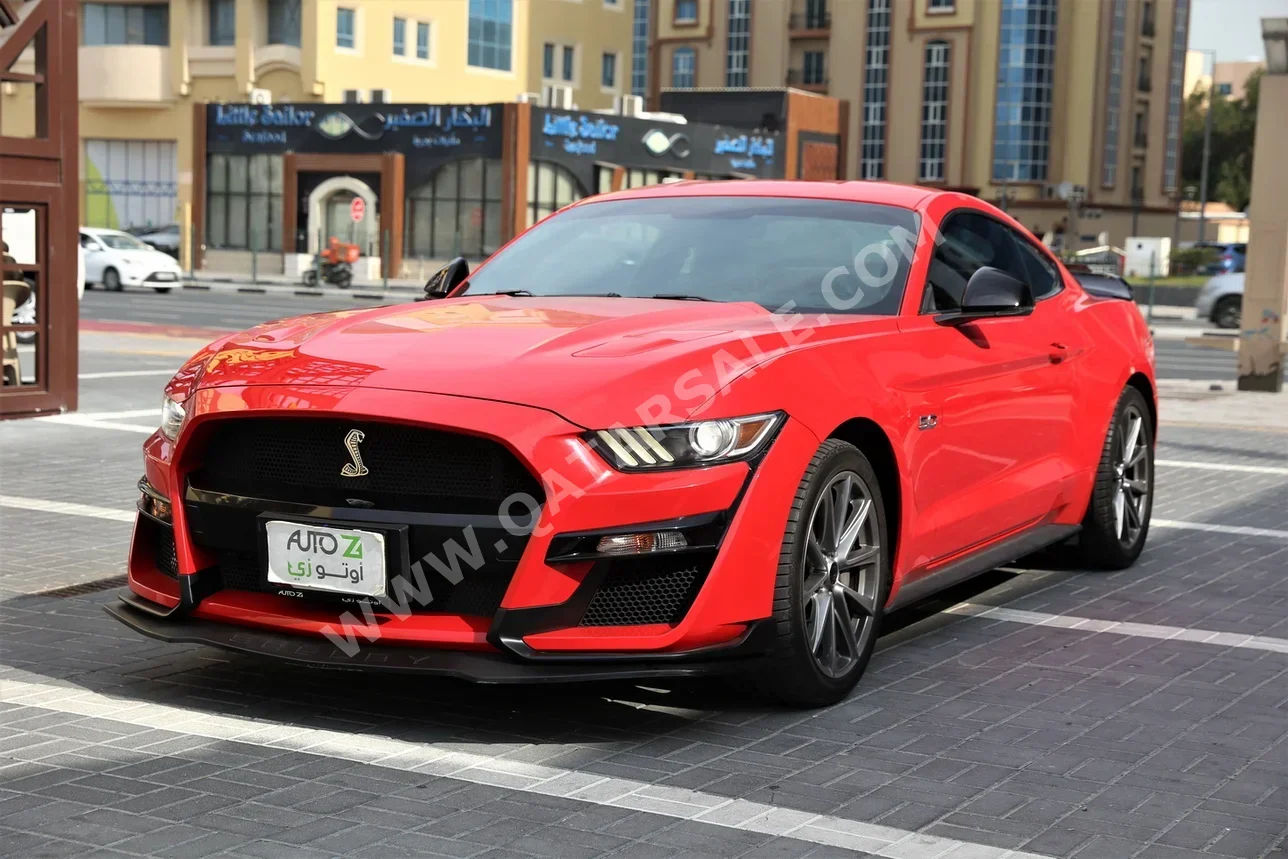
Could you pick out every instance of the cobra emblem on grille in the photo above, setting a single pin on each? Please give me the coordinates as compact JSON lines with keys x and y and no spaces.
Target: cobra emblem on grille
{"x":351,"y":442}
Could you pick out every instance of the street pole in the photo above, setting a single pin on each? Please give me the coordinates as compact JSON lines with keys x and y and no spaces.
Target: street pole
{"x":1207,"y":151}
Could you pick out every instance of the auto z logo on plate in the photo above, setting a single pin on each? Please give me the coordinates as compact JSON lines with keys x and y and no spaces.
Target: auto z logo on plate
{"x":351,"y":442}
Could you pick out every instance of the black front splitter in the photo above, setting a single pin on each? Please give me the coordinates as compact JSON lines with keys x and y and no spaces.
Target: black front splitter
{"x":474,"y":666}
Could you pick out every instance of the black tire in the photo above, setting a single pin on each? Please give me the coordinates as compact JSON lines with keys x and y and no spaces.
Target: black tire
{"x":1228,"y":312}
{"x":343,"y":279}
{"x":792,"y":673}
{"x":1105,"y":543}
{"x":310,"y":277}
{"x":112,"y":281}
{"x":162,"y":289}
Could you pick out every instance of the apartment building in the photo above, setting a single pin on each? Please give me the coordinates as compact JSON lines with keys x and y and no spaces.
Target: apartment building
{"x":1007,"y":99}
{"x":1229,"y":78}
{"x":146,"y":66}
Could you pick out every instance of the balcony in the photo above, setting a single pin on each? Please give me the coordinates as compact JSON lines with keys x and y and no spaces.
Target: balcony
{"x":811,"y":25}
{"x":125,"y":75}
{"x":1143,"y":83}
{"x":812,"y":82}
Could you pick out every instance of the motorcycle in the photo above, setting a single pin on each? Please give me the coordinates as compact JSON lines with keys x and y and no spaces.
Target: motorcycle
{"x":335,"y":264}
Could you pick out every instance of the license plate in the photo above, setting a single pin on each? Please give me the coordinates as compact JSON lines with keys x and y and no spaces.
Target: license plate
{"x":164,"y":275}
{"x":315,"y":557}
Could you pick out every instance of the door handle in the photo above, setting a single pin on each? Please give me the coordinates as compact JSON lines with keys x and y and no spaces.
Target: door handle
{"x":1058,"y":353}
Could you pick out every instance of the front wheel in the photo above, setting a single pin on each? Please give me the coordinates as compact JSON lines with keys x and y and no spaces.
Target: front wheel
{"x":310,"y":277}
{"x":1117,"y":520}
{"x":112,"y":281}
{"x":833,"y":580}
{"x":1228,"y":312}
{"x":162,"y":289}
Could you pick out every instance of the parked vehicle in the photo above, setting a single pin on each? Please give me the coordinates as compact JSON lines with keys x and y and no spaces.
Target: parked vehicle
{"x":164,"y":239}
{"x":117,"y":260}
{"x":335,"y":263}
{"x":673,"y":431}
{"x":1220,"y":300}
{"x":1231,"y":257}
{"x":26,"y":313}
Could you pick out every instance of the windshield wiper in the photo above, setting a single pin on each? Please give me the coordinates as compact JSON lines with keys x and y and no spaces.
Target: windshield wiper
{"x":513,"y":293}
{"x":676,"y":296}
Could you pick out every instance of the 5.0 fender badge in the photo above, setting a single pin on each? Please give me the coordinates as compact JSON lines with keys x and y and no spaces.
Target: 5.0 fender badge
{"x":351,"y":442}
{"x":926,"y":422}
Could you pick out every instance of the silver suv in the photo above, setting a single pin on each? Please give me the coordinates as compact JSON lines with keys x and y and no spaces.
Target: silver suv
{"x":1221,"y":300}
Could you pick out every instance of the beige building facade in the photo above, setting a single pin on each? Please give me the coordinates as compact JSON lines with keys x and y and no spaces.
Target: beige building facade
{"x":1229,"y":78}
{"x":1008,"y":99}
{"x":145,"y":66}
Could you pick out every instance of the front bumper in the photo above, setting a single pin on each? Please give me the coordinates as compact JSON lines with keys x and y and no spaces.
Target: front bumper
{"x":478,"y":667}
{"x":144,"y":277}
{"x":537,"y":624}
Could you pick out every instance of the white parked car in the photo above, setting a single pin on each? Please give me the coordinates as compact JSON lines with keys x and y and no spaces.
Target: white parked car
{"x":117,"y":260}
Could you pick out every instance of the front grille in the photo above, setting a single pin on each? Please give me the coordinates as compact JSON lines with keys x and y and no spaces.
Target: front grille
{"x":646,"y":592}
{"x":408,"y":468}
{"x":480,"y":593}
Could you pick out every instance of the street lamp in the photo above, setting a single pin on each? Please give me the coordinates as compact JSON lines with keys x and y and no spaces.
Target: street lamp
{"x":1207,"y":148}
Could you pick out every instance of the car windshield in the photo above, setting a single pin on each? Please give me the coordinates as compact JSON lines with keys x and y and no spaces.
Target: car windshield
{"x":122,"y":242}
{"x":785,"y":254}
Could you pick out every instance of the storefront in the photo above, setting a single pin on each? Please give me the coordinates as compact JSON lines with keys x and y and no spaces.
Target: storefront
{"x":441,"y":181}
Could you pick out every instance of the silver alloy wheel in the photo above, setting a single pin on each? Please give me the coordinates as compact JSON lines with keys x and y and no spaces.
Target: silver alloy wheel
{"x":1131,"y":476}
{"x":842,"y":573}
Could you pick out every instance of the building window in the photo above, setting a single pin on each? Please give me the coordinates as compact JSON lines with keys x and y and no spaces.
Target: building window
{"x":346,"y":28}
{"x":548,"y":61}
{"x":284,"y":22}
{"x":1114,"y":93}
{"x":1140,"y":137}
{"x":739,"y":43}
{"x":130,"y":183}
{"x":569,"y":63}
{"x":1137,"y":192}
{"x":934,"y":112}
{"x":608,"y":71}
{"x":1144,"y":63}
{"x":816,"y":17}
{"x":1175,"y":84}
{"x":223,"y":22}
{"x":117,"y":24}
{"x":686,"y":11}
{"x":550,"y":188}
{"x":876,"y":83}
{"x":941,"y":5}
{"x":244,"y":202}
{"x":814,"y":73}
{"x":1147,"y":19}
{"x":682,"y":66}
{"x":353,"y":96}
{"x":422,"y":41}
{"x":1022,"y":122}
{"x":490,"y":37}
{"x":400,"y":37}
{"x":1224,"y":89}
{"x":380,"y":96}
{"x":457,"y":212}
{"x":639,"y":48}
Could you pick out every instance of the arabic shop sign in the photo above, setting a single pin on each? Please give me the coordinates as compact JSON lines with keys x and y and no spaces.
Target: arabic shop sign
{"x":581,"y":133}
{"x":443,"y":118}
{"x":353,"y":128}
{"x":745,"y":150}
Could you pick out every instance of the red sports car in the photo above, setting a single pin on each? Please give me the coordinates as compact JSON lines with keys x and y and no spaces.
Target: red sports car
{"x":696,"y":428}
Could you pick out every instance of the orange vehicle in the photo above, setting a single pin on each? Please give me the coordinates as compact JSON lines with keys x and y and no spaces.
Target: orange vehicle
{"x":335,"y":264}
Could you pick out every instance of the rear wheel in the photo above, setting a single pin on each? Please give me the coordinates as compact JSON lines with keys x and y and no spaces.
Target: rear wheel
{"x":1117,"y":520}
{"x":162,"y":289}
{"x":1228,"y":312}
{"x":112,"y":281}
{"x":833,"y":579}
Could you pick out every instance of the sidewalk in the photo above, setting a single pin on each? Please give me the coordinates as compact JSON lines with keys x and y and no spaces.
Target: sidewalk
{"x":1188,"y":401}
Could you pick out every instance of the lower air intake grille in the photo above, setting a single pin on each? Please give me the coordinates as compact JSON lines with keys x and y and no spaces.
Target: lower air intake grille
{"x":163,"y":552}
{"x":648,"y":592}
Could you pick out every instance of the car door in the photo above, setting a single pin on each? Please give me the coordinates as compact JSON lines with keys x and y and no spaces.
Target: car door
{"x":993,"y":398}
{"x":94,"y":258}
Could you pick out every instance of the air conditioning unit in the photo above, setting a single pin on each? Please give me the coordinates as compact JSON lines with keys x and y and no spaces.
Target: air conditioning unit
{"x":261,"y":96}
{"x":528,"y":98}
{"x":558,"y":97}
{"x":380,"y":96}
{"x":628,"y":105}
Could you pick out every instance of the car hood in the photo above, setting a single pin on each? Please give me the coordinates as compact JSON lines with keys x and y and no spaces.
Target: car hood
{"x":592,"y":360}
{"x":152,"y":258}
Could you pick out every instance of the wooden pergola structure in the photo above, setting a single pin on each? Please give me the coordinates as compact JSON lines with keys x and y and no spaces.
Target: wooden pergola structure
{"x":38,"y":181}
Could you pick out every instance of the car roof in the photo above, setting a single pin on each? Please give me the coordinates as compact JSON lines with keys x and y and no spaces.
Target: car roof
{"x":885,"y":193}
{"x":103,"y":231}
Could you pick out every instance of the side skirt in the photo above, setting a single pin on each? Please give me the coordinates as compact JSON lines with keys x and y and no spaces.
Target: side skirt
{"x":958,"y":571}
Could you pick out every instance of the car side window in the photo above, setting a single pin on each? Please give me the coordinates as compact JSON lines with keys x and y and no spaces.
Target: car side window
{"x":1041,"y":276}
{"x":969,"y":241}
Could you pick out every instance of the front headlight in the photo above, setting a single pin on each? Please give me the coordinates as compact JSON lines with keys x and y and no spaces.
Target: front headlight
{"x":172,"y":415}
{"x":684,"y":445}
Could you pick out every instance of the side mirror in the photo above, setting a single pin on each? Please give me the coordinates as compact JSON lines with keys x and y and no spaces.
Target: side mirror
{"x":447,"y":279}
{"x":989,"y":293}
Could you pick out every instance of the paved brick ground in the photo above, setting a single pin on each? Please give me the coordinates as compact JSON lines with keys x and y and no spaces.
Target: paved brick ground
{"x":993,"y":733}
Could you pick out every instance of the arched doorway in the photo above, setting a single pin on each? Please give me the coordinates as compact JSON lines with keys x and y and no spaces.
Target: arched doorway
{"x":329,"y":206}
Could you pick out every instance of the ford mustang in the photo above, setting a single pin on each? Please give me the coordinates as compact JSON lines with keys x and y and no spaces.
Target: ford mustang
{"x":683,"y":430}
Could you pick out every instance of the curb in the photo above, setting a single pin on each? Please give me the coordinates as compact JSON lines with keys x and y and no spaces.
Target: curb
{"x":286,"y":289}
